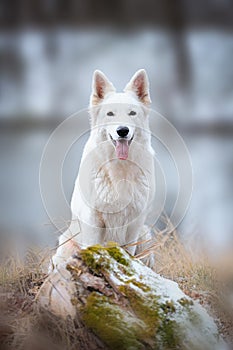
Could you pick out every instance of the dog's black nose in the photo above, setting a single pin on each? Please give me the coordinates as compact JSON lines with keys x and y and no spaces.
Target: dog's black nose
{"x":122,"y":131}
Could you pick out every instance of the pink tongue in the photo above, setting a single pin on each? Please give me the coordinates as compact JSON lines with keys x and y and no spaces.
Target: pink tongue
{"x":122,"y":149}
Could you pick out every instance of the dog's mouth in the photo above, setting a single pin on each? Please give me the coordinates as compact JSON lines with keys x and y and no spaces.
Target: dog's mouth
{"x":121,"y":147}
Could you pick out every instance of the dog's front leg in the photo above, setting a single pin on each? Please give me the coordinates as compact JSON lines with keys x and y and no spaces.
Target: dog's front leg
{"x":78,"y":236}
{"x":136,"y":233}
{"x":67,"y":246}
{"x":147,"y":239}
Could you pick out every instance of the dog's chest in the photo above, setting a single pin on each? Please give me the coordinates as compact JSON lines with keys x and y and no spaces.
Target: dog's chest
{"x":122,"y":192}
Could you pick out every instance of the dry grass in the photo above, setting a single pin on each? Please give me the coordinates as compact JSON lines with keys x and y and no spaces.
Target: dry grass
{"x":21,"y":326}
{"x":208,"y":282}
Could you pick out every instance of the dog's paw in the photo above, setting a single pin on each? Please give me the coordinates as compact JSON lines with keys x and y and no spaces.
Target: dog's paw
{"x":63,"y":253}
{"x":55,"y":261}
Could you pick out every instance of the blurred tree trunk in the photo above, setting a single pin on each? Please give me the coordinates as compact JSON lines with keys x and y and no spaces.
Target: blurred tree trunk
{"x":175,"y":13}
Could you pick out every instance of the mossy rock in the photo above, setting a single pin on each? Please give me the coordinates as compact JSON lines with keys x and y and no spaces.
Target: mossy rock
{"x":127,"y":305}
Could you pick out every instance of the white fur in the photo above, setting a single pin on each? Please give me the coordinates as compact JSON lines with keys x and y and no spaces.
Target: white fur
{"x":111,"y":196}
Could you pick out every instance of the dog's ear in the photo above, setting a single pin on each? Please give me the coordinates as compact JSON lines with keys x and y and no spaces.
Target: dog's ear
{"x":100,"y":87}
{"x":139,"y":84}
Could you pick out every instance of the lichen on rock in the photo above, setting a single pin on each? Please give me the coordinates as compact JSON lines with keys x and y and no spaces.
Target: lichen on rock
{"x":128,"y":306}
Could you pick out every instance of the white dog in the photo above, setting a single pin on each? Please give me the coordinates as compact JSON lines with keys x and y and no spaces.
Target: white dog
{"x":116,"y":181}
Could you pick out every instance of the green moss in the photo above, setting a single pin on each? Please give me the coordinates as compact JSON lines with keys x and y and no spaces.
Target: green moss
{"x":168,"y":307}
{"x":95,"y":258}
{"x":192,"y":315}
{"x":117,"y":255}
{"x":160,"y":327}
{"x":99,"y":258}
{"x":185,"y":302}
{"x":145,"y":307}
{"x":117,"y":328}
{"x":168,"y":334}
{"x":138,"y":284}
{"x":124,"y":273}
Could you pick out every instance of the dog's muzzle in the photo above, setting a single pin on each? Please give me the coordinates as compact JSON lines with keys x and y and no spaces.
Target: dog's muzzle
{"x":122,"y":144}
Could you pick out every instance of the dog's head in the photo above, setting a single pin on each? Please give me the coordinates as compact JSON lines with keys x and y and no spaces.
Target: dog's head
{"x":120,"y":115}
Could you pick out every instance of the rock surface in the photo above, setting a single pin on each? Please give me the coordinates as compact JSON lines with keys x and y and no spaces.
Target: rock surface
{"x":126,"y":304}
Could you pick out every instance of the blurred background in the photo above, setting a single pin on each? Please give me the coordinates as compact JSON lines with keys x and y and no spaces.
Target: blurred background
{"x":48,"y":52}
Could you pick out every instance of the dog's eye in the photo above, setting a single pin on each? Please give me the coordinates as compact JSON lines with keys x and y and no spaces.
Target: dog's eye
{"x":132,"y":113}
{"x":110,"y":114}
